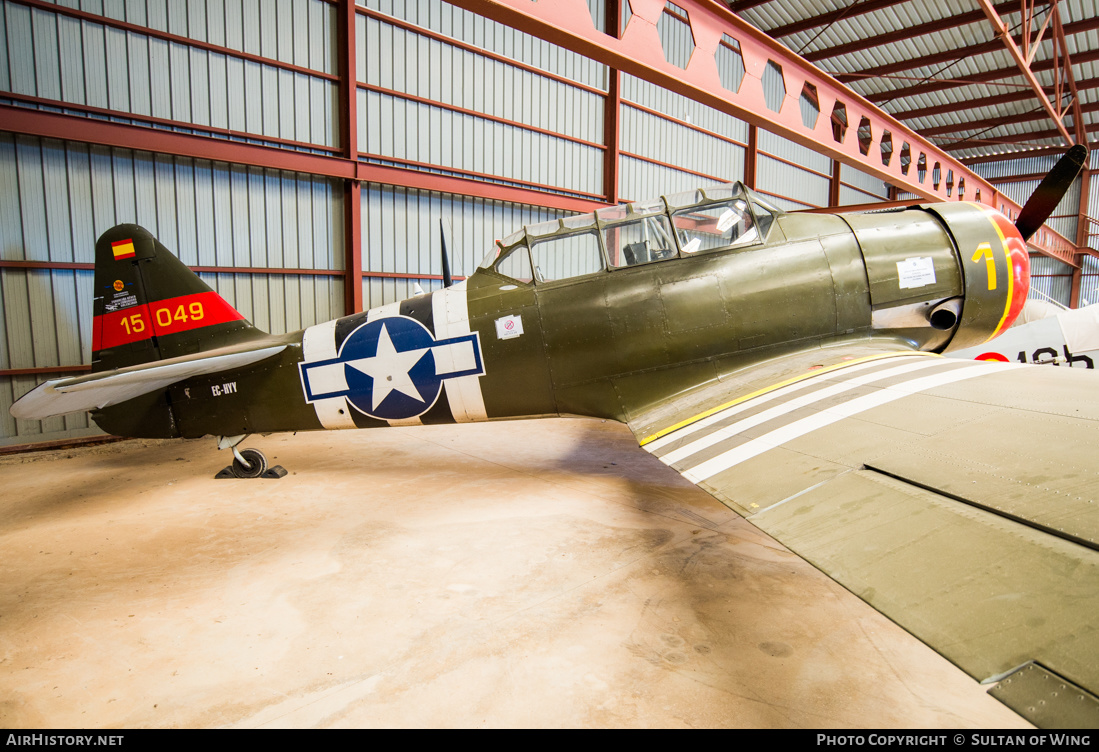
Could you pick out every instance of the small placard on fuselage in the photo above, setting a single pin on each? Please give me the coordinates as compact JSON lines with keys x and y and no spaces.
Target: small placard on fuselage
{"x":917,"y":271}
{"x":509,"y":327}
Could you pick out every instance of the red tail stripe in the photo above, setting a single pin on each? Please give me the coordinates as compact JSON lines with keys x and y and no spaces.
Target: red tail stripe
{"x":188,"y":312}
{"x":162,"y":318}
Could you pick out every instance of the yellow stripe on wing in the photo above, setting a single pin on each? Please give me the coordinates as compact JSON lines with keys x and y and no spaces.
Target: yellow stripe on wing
{"x":779,"y":385}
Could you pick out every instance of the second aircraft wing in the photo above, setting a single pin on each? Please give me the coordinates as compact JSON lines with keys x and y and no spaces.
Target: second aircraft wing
{"x":959,"y":498}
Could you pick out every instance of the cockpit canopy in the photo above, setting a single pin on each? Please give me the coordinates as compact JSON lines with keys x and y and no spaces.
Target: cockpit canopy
{"x":617,"y":237}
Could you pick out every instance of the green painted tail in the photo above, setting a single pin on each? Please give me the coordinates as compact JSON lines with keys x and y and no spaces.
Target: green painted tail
{"x":149,"y":306}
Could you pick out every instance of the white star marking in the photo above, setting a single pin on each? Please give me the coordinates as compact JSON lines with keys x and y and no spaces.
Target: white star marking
{"x":389,"y":370}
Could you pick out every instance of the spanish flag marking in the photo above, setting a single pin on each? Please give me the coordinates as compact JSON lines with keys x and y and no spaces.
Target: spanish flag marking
{"x":123,"y":249}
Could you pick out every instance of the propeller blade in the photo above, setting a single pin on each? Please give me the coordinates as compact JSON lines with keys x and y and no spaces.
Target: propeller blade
{"x":447,"y":279}
{"x":1050,"y":191}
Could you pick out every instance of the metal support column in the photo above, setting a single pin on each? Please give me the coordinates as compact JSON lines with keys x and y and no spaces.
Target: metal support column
{"x":612,"y":110}
{"x":349,"y":138}
{"x":751,"y":157}
{"x":1082,"y":225}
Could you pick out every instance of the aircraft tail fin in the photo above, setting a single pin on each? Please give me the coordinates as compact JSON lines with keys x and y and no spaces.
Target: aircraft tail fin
{"x":149,"y":306}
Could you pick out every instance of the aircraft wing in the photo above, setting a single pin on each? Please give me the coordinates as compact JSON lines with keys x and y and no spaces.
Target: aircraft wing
{"x":61,"y":396}
{"x":959,"y":498}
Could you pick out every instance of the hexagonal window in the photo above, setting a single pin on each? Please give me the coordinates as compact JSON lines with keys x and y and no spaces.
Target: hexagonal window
{"x":730,"y":63}
{"x":977,"y":197}
{"x":936,"y":176}
{"x":774,"y":86}
{"x":676,"y":38}
{"x":921,"y":167}
{"x":839,"y":121}
{"x":949,"y":182}
{"x":810,"y":105}
{"x":906,"y":157}
{"x":865,"y":136}
{"x":961,"y":188}
{"x":886,"y":148}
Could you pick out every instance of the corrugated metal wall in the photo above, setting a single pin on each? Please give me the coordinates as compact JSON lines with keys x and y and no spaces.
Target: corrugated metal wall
{"x":401,"y":234}
{"x":405,"y":61}
{"x":1050,"y":278}
{"x":792,"y":171}
{"x":1089,"y":281}
{"x":60,"y":58}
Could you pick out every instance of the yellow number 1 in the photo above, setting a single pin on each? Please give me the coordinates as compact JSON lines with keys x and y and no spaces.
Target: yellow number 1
{"x":985,"y":249}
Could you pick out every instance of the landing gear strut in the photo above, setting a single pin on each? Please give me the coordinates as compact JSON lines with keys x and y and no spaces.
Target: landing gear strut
{"x":247,"y":463}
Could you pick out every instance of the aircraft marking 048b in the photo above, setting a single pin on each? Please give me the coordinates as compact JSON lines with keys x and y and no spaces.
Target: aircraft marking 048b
{"x":785,"y":363}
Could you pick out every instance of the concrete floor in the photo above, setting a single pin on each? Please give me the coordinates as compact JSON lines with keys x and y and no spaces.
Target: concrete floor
{"x":535,"y":573}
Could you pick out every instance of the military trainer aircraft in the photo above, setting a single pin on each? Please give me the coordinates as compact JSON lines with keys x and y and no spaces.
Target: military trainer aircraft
{"x":1046,"y":333}
{"x":786,"y":363}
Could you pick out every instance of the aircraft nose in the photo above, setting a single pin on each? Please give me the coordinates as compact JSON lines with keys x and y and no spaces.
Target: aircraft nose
{"x":1018,"y":258}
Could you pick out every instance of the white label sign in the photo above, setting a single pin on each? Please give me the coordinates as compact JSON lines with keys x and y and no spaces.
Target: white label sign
{"x":916,"y":272}
{"x":509,"y":327}
{"x":726,"y":220}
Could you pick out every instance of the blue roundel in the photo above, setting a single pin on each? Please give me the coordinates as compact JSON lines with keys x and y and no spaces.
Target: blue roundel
{"x":390,"y":368}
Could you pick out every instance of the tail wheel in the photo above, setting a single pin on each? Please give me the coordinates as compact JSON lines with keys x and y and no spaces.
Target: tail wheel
{"x":256,"y":464}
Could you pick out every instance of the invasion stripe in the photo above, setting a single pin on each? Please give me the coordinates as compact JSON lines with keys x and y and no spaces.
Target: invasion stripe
{"x":319,"y":343}
{"x":773,"y":392}
{"x":799,"y":428}
{"x":728,"y":432}
{"x":450,"y":314}
{"x":856,"y":363}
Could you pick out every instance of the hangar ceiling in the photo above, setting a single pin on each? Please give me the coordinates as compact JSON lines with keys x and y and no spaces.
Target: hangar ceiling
{"x":942,"y":67}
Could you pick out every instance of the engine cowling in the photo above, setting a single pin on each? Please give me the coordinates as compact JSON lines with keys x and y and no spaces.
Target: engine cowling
{"x":943,"y":276}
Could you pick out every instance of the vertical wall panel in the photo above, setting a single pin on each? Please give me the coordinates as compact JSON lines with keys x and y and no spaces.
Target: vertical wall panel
{"x":1089,"y":281}
{"x":490,"y":35}
{"x":83,"y":62}
{"x":1050,"y":279}
{"x":401,"y":233}
{"x":865,"y":188}
{"x":5,"y":71}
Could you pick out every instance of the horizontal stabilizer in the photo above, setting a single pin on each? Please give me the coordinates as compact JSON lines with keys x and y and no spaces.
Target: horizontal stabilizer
{"x":98,"y":390}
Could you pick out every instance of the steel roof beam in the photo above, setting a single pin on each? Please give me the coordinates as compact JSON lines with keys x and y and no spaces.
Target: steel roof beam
{"x":949,"y":56}
{"x":973,"y":104}
{"x":827,"y":19}
{"x":1019,"y":138}
{"x":568,"y":23}
{"x":1024,"y":57}
{"x":932,"y":85}
{"x":739,"y":6}
{"x":1025,"y":117}
{"x":950,"y":22}
{"x":1038,"y":151}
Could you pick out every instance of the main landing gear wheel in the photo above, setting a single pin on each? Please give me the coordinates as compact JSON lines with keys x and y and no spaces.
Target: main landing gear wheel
{"x":250,"y":463}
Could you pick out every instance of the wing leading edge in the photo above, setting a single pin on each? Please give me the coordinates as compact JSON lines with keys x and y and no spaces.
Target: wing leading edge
{"x":958,"y":498}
